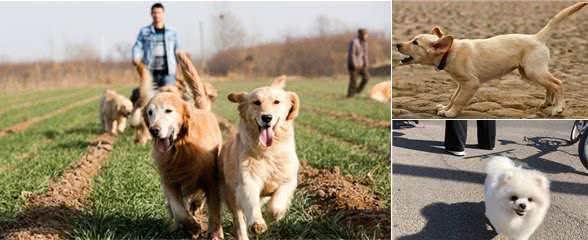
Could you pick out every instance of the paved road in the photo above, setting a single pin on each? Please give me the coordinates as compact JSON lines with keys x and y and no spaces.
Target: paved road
{"x":440,"y":196}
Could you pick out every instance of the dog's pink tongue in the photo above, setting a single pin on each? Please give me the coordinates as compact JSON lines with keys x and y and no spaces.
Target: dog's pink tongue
{"x":266,"y":137}
{"x":162,"y":145}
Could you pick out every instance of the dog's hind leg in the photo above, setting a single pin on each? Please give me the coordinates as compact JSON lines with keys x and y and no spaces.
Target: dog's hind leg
{"x":536,"y":69}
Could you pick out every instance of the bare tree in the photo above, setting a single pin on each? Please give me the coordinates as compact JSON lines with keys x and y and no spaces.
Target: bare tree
{"x":81,"y":51}
{"x":228,"y":31}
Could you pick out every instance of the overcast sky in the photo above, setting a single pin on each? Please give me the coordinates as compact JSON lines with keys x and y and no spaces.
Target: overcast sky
{"x":43,"y":30}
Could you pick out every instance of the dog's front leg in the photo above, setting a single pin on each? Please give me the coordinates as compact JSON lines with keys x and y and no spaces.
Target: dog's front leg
{"x":247,"y":195}
{"x":441,"y":107}
{"x":122,"y":124}
{"x":174,"y":197}
{"x":213,"y":202}
{"x":280,"y":200}
{"x":466,"y":92}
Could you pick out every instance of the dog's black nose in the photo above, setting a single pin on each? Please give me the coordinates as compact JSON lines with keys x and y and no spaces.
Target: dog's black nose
{"x":154,"y":131}
{"x":266,"y":118}
{"x":523,"y":206}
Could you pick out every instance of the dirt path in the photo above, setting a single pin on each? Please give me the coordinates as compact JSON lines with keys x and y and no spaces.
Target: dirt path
{"x":26,"y":124}
{"x":48,"y":215}
{"x":350,"y":116}
{"x":418,"y":89}
{"x":333,"y":193}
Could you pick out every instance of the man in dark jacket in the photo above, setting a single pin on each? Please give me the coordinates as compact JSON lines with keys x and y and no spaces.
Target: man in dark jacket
{"x":357,"y":63}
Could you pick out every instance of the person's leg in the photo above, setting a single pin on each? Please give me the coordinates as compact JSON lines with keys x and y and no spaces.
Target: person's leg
{"x":158,"y":78}
{"x":169,"y":79}
{"x":365,"y":77}
{"x":486,"y":134}
{"x":351,"y":90}
{"x":456,"y":136}
{"x":135,"y":95}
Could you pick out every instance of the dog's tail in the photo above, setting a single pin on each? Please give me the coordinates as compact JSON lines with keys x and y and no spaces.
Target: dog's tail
{"x":544,"y":34}
{"x":192,"y":87}
{"x":499,"y":164}
{"x":146,"y":85}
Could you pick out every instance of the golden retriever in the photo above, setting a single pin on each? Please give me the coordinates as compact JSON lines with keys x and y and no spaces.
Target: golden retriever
{"x":260,"y":160}
{"x":381,"y":92}
{"x":186,"y":145}
{"x":114,"y":111}
{"x":140,"y":131}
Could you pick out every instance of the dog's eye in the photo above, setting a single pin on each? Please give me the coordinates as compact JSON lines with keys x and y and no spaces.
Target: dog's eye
{"x":530,"y":199}
{"x":513,"y":198}
{"x":168,"y":110}
{"x":415,"y":42}
{"x":150,"y":112}
{"x":277,"y":102}
{"x":257,"y":102}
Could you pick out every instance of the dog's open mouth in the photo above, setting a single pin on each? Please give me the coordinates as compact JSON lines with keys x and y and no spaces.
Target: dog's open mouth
{"x":164,"y":144}
{"x":407,"y":60}
{"x":520,"y":212}
{"x":266,"y":135}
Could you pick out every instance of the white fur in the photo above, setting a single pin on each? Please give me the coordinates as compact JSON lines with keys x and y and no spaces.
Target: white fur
{"x":505,"y":181}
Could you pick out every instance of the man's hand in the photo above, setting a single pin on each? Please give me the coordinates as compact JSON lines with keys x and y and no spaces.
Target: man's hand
{"x":136,"y":61}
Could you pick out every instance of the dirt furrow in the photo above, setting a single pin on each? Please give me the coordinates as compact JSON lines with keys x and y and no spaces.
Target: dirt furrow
{"x":48,"y":215}
{"x":351,"y":116}
{"x":26,"y":124}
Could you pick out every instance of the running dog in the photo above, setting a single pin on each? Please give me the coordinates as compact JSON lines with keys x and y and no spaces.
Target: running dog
{"x":114,"y":111}
{"x":260,"y":161}
{"x":474,"y":61}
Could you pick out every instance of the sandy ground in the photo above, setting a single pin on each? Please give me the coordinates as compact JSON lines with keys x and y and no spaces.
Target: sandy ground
{"x":440,"y":196}
{"x":418,"y":89}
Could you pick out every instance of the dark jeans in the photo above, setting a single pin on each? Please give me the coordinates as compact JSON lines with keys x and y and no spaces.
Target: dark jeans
{"x":162,"y":78}
{"x":354,"y":88}
{"x":456,"y":132}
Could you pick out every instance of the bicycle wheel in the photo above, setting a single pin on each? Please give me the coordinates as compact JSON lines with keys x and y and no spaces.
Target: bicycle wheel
{"x":583,"y":149}
{"x":575,"y":133}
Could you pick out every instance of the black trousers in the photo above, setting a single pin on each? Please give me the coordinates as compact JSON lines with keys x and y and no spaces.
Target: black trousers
{"x":456,"y":132}
{"x":354,"y":87}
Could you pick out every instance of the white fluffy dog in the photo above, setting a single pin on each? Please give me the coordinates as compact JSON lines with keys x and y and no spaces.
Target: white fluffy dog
{"x":516,"y":199}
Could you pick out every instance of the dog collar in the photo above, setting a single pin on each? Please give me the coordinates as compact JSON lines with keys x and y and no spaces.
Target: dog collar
{"x":443,"y":62}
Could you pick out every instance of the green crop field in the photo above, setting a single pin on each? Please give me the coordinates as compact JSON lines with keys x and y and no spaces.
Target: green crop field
{"x":125,"y":200}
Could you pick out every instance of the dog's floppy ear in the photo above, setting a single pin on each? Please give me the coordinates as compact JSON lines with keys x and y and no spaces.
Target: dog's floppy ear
{"x":279,"y":82}
{"x":237,"y":97}
{"x":295,"y":109}
{"x":437,"y":32}
{"x":145,"y":117}
{"x":186,"y":117}
{"x":443,"y":44}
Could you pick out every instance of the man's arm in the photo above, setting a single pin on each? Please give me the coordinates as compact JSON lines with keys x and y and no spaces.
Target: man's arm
{"x":365,"y":56}
{"x":355,"y":54}
{"x":137,"y":52}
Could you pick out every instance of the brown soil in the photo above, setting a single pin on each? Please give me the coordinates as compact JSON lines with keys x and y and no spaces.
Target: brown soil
{"x":351,"y":116}
{"x":26,"y":124}
{"x":48,"y":215}
{"x":418,"y":89}
{"x":345,"y":195}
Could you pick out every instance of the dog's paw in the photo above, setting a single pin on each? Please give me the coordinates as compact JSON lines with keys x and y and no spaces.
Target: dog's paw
{"x":258,"y":228}
{"x":447,"y":114}
{"x":556,"y":111}
{"x":441,"y":107}
{"x":276,"y":214}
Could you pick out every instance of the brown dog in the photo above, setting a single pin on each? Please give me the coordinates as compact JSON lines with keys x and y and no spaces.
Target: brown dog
{"x":186,"y":145}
